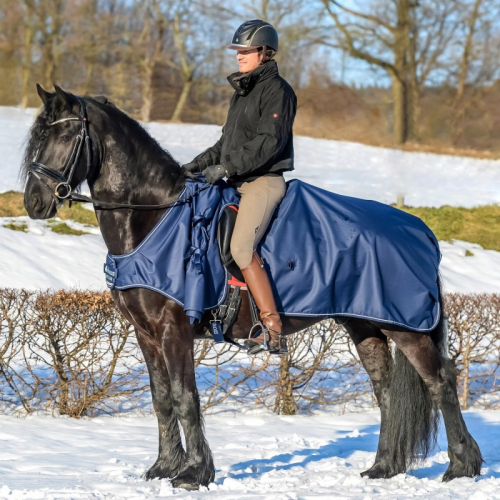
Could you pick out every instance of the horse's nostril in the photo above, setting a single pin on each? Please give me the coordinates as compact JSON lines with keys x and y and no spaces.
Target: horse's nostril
{"x":37,"y":201}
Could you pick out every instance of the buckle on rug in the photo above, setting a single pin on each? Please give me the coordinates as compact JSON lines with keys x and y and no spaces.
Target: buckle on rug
{"x":110,"y":272}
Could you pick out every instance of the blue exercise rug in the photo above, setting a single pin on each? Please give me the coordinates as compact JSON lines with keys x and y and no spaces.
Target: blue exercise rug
{"x":327,"y":255}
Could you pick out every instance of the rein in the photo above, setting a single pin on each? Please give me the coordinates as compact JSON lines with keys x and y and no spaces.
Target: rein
{"x":64,"y":191}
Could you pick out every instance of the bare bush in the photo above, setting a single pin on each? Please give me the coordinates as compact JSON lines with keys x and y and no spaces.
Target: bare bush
{"x":474,"y":345}
{"x":72,"y":353}
{"x":67,"y":351}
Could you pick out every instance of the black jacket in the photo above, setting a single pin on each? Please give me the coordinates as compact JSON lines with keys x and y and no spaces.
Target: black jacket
{"x":257,"y":137}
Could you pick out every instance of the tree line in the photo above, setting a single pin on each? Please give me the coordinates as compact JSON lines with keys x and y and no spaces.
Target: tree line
{"x":433,"y":65}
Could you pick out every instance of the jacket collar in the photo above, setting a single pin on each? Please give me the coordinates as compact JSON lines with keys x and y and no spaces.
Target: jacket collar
{"x":243,"y":83}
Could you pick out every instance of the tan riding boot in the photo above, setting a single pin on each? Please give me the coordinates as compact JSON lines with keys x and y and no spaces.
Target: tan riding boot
{"x":257,"y":281}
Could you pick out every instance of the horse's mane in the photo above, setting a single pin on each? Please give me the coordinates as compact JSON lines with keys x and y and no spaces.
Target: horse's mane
{"x":39,"y":131}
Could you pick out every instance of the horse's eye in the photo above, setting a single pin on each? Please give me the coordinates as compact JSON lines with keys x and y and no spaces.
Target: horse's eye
{"x":65,"y":138}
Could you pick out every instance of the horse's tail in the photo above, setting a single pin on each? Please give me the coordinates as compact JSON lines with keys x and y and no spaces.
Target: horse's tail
{"x":413,"y":414}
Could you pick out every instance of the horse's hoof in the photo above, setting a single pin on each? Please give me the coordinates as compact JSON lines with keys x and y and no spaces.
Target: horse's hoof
{"x":456,"y":472}
{"x":192,"y":477}
{"x":378,"y":471}
{"x":449,"y":475}
{"x":160,"y":470}
{"x":185,"y":486}
{"x":466,"y":464}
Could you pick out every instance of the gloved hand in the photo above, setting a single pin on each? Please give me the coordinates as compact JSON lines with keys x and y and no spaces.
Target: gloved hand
{"x":191,"y":167}
{"x":214,"y":173}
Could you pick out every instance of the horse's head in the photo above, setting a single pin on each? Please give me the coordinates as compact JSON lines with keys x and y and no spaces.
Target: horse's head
{"x":58,"y":155}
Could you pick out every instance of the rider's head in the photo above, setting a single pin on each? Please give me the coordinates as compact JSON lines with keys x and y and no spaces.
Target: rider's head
{"x":255,"y":42}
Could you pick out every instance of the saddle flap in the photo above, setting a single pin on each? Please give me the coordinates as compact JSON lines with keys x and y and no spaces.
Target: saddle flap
{"x":225,"y":229}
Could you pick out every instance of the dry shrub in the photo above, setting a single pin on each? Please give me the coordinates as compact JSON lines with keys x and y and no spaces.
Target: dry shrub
{"x":474,"y":345}
{"x":71,"y":352}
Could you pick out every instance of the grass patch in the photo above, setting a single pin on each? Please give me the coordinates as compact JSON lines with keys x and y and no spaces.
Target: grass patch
{"x":17,"y":227}
{"x":78,"y":214}
{"x":476,"y":225}
{"x":11,"y":205}
{"x":63,"y":228}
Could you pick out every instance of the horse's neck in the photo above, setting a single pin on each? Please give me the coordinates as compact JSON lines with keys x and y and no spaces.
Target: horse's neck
{"x":141,"y":177}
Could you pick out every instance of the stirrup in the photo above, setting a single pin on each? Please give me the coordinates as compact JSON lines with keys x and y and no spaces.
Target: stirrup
{"x":255,"y":347}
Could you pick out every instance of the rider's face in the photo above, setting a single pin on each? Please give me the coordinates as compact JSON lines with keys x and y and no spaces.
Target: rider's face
{"x":249,"y":59}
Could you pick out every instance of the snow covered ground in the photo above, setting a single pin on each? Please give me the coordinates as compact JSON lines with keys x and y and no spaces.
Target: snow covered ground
{"x":256,"y":456}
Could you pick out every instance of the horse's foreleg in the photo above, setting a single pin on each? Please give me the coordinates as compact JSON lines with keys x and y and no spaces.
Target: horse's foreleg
{"x":171,"y":453}
{"x":198,"y":468}
{"x":374,"y":354}
{"x":438,"y":375}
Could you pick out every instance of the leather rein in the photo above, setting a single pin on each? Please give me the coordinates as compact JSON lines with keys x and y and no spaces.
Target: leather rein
{"x":64,"y":191}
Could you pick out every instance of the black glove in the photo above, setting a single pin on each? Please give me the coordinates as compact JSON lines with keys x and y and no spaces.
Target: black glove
{"x":214,"y":173}
{"x":191,"y":167}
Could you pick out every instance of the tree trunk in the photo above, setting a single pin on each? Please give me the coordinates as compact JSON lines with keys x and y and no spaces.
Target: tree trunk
{"x":285,"y":402}
{"x":402,"y":81}
{"x":147,"y":91}
{"x":182,"y":100}
{"x":88,"y":79}
{"x":149,"y":63}
{"x":400,"y":126}
{"x":27,"y":61}
{"x":48,"y":63}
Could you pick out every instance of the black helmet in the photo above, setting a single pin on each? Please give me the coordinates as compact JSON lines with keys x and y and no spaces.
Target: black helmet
{"x":255,"y":33}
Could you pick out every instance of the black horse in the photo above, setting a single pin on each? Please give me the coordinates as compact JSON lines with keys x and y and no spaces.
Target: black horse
{"x":124,"y":165}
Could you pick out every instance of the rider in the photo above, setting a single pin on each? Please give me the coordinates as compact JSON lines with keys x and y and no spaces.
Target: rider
{"x":255,"y":148}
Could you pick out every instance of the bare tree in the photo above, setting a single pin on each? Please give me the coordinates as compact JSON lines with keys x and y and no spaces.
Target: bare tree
{"x":475,"y":44}
{"x":405,"y":38}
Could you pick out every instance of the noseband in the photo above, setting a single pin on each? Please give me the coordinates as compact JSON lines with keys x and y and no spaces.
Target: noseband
{"x":63,"y":189}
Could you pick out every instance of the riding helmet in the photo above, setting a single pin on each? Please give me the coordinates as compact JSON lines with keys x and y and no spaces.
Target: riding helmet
{"x":255,"y":33}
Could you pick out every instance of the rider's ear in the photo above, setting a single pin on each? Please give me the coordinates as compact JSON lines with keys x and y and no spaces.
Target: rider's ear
{"x":63,"y":97}
{"x":44,"y":95}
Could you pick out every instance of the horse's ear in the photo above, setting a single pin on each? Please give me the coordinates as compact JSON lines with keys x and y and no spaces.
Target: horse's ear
{"x":63,"y":97}
{"x":44,"y":95}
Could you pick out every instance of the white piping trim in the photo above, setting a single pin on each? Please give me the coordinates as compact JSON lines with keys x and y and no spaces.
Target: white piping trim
{"x":161,"y":292}
{"x":353,"y":315}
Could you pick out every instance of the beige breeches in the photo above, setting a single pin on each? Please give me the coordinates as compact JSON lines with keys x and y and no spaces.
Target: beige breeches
{"x":259,"y":199}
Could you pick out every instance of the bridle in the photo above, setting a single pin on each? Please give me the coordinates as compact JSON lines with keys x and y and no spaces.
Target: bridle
{"x":64,"y":191}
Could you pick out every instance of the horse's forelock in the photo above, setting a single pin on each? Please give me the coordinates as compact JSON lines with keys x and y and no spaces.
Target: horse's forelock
{"x":39,"y":133}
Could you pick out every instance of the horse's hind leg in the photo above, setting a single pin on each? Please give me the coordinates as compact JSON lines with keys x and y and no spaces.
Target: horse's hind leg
{"x":374,"y":354}
{"x":198,"y":468}
{"x":437,"y":373}
{"x":171,"y":453}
